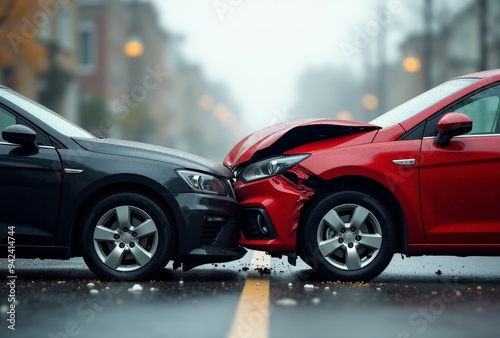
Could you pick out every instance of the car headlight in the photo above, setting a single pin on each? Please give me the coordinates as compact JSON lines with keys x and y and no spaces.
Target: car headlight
{"x":203,"y":183}
{"x":270,"y":167}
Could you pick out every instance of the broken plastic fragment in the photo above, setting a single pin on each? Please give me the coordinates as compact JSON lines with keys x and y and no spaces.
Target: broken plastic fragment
{"x":136,"y":287}
{"x":286,"y":302}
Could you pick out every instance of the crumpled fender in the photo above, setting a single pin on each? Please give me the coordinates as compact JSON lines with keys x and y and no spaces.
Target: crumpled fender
{"x":305,"y":193}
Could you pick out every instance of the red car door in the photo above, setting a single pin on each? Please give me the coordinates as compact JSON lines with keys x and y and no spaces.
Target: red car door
{"x":460,"y":183}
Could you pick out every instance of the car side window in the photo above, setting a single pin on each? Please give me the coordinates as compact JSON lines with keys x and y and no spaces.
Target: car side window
{"x":482,"y":108}
{"x":6,"y":119}
{"x":483,"y":113}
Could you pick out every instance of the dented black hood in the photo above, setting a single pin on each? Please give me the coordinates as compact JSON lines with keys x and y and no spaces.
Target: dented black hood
{"x":278,"y":138}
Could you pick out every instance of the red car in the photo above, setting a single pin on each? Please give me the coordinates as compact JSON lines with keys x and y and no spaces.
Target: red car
{"x":422,"y":179}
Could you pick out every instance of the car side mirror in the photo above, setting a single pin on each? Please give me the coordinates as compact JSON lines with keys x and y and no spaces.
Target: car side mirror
{"x":22,"y":135}
{"x":450,"y":125}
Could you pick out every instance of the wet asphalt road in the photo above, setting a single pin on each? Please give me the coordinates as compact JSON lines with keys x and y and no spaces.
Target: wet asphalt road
{"x":414,"y":297}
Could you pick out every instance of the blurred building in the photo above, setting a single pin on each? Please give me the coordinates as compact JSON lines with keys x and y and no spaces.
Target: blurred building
{"x":38,"y":52}
{"x":109,"y":66}
{"x":321,"y":94}
{"x":122,"y":70}
{"x":203,"y":118}
{"x":103,"y":29}
{"x":467,"y":42}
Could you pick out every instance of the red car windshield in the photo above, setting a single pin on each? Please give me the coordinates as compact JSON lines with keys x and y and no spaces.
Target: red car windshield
{"x":421,"y":102}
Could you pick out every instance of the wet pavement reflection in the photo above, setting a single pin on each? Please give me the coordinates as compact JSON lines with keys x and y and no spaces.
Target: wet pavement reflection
{"x":416,"y":297}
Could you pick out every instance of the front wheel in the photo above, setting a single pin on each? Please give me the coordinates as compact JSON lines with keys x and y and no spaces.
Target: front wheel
{"x":348,"y":236}
{"x":126,"y":236}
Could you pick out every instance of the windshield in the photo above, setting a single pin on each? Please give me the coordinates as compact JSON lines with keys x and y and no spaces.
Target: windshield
{"x":421,"y":102}
{"x":46,"y":115}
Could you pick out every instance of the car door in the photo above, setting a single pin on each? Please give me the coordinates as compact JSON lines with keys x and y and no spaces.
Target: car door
{"x":460,"y":183}
{"x":30,"y":186}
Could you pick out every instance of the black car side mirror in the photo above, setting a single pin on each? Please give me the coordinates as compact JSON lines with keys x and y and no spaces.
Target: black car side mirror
{"x":450,"y":125}
{"x":22,"y":135}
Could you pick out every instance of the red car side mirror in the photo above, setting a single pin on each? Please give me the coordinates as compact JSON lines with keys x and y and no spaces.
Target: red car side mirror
{"x":450,"y":125}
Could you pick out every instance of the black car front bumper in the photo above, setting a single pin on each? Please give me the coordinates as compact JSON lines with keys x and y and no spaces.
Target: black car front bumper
{"x":206,"y":229}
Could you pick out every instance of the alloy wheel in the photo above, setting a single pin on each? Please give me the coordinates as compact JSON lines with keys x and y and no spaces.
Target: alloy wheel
{"x":349,"y":237}
{"x":125,"y":238}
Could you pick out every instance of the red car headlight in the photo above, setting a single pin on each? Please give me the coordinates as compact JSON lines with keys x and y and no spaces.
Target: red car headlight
{"x":270,"y":167}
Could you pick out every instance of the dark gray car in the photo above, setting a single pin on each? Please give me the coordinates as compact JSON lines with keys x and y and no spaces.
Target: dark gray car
{"x":128,"y":208}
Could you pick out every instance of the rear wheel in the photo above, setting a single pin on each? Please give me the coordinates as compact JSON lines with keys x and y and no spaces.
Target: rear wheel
{"x":348,"y":236}
{"x":126,"y":236}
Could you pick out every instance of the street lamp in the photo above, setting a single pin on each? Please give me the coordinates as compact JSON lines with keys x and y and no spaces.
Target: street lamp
{"x":344,"y":115}
{"x":370,"y":102}
{"x":224,"y":115}
{"x":206,"y":102}
{"x":133,"y":47}
{"x":412,"y":64}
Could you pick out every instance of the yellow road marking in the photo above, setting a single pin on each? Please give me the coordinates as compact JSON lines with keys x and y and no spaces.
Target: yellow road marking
{"x":252,"y":314}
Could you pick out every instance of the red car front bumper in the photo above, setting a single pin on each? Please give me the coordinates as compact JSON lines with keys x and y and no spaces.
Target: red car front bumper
{"x":270,"y":211}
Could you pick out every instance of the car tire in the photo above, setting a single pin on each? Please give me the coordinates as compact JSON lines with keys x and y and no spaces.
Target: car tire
{"x":126,"y":236}
{"x":348,"y":236}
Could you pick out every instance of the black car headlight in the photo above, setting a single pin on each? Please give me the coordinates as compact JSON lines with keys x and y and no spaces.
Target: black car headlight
{"x":270,"y":167}
{"x":204,"y":183}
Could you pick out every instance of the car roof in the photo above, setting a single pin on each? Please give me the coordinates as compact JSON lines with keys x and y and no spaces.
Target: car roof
{"x":482,"y":74}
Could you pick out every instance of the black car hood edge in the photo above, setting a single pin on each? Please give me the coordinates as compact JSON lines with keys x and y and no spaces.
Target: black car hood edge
{"x":153,"y":152}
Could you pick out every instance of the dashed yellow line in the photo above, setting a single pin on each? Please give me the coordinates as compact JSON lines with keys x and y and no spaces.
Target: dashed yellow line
{"x":252,"y":314}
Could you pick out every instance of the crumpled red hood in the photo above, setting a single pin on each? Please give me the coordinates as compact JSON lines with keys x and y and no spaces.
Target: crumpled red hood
{"x":284,"y":136}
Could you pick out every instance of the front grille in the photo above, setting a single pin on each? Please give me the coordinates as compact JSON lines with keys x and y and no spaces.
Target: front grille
{"x":210,"y":233}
